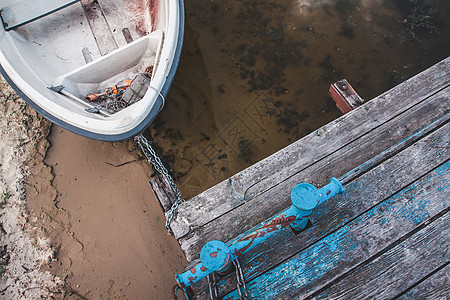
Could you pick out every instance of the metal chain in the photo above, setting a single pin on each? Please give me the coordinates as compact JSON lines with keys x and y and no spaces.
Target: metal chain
{"x":241,"y":286}
{"x":213,"y":292}
{"x":151,"y":156}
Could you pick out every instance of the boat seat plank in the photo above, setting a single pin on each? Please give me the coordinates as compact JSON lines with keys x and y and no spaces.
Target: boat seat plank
{"x":104,"y":69}
{"x":416,"y":214}
{"x":389,"y":138}
{"x":436,"y":286}
{"x":120,"y":19}
{"x":219,"y":200}
{"x":100,"y":28}
{"x":361,"y":194}
{"x":20,"y":13}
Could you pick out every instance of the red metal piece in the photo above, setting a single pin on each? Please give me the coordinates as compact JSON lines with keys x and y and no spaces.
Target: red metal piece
{"x":345,"y":96}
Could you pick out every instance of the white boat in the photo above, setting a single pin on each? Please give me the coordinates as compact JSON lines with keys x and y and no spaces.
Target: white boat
{"x":55,"y":53}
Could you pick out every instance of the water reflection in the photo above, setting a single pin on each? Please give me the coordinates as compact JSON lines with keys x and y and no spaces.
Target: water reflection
{"x":254,"y":75}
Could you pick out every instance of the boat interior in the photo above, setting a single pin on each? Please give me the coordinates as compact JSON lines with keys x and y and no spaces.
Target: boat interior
{"x":81,"y":47}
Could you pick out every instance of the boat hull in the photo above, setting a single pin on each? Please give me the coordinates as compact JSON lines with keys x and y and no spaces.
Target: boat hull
{"x":111,"y":129}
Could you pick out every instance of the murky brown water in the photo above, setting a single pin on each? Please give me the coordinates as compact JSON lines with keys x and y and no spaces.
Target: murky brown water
{"x":254,"y":75}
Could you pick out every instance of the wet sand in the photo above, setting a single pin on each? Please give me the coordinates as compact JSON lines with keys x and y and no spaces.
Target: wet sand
{"x":103,"y":220}
{"x":78,"y":219}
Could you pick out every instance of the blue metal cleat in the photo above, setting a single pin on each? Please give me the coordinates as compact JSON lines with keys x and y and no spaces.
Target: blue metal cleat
{"x":305,"y":197}
{"x":216,"y":256}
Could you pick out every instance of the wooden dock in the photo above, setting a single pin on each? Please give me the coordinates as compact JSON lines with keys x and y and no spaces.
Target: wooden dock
{"x":386,"y":236}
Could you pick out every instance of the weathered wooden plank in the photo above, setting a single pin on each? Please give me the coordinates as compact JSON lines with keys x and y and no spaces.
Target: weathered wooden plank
{"x":340,"y":162}
{"x":336,"y":135}
{"x":163,"y":192}
{"x":404,"y":265}
{"x":372,"y":233}
{"x":390,"y":152}
{"x":360,"y":195}
{"x":437,"y":286}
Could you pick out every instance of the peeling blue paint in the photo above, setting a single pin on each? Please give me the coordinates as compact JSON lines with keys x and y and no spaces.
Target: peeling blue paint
{"x":216,"y":256}
{"x":352,"y":243}
{"x":445,"y":168}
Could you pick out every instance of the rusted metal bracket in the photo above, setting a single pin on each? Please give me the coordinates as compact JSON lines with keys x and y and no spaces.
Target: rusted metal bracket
{"x":345,"y":96}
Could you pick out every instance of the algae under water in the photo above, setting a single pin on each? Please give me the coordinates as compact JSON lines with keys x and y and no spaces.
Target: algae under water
{"x":254,"y":75}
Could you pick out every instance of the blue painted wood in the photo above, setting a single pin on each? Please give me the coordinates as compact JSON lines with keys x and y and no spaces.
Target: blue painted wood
{"x":389,"y":274}
{"x":360,"y":195}
{"x":356,"y":152}
{"x":352,"y":244}
{"x":436,"y":286}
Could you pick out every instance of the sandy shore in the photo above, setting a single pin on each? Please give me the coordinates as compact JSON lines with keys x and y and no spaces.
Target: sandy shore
{"x":24,"y":248}
{"x":75,"y":224}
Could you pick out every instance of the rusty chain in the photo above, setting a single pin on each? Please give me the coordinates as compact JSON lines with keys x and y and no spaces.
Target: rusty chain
{"x":241,"y":286}
{"x":152,"y":157}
